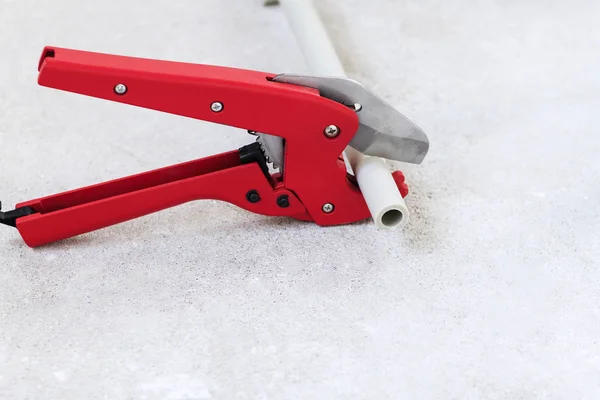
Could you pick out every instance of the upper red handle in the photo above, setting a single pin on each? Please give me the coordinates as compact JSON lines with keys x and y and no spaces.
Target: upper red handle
{"x":248,"y":97}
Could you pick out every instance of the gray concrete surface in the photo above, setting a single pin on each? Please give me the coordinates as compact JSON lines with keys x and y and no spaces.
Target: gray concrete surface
{"x":491,"y":292}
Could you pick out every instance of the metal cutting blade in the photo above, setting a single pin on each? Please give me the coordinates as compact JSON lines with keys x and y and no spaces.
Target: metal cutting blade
{"x":272,"y":147}
{"x":383,"y":132}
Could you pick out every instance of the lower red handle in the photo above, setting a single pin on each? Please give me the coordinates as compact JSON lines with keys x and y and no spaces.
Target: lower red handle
{"x":220,"y":177}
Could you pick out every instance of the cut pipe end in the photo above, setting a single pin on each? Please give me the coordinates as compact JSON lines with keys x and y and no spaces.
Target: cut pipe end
{"x":379,"y":190}
{"x":391,"y":218}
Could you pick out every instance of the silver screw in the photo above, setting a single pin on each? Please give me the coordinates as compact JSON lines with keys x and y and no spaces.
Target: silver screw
{"x":327,"y":208}
{"x":357,"y":107}
{"x":120,"y":89}
{"x":331,"y":131}
{"x":217,"y":106}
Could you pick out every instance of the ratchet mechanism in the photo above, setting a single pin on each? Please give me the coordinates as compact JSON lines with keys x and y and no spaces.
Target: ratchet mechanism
{"x":295,"y":167}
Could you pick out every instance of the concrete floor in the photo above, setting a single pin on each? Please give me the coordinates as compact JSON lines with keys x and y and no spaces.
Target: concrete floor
{"x":491,"y":291}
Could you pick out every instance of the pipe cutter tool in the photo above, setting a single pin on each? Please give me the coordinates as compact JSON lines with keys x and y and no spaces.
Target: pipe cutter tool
{"x":294,"y":168}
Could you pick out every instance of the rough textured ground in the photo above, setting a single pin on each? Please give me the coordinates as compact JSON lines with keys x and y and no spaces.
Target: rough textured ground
{"x":492,"y":290}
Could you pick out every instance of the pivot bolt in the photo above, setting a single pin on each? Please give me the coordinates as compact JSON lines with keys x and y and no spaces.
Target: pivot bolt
{"x":217,"y":106}
{"x":120,"y":89}
{"x":252,"y":196}
{"x":328,"y":208}
{"x":331,"y":131}
{"x":283,"y":201}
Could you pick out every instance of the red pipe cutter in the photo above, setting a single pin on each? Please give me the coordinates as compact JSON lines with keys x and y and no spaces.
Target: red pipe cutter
{"x":302,"y":124}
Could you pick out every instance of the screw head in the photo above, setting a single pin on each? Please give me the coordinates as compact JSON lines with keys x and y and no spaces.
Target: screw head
{"x":120,"y":89}
{"x":283,"y":201}
{"x":252,"y":196}
{"x":217,"y":106}
{"x":331,"y":131}
{"x":328,"y":208}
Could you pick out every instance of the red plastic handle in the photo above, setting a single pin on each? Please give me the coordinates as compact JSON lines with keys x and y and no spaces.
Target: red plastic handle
{"x":221,"y":177}
{"x":249,"y":99}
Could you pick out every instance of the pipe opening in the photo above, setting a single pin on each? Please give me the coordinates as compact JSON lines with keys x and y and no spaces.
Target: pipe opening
{"x":392,"y":218}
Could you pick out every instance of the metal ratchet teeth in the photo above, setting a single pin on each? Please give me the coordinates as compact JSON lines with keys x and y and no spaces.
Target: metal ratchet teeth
{"x":272,"y":148}
{"x":262,"y":148}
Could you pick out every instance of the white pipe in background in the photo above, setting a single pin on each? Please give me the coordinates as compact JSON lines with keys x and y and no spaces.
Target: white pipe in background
{"x":373,"y":175}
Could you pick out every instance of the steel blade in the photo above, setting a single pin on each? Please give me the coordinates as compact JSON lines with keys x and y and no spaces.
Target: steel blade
{"x":383,"y":132}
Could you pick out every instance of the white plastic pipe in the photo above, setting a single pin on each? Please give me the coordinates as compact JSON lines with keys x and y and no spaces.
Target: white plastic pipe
{"x":373,"y":175}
